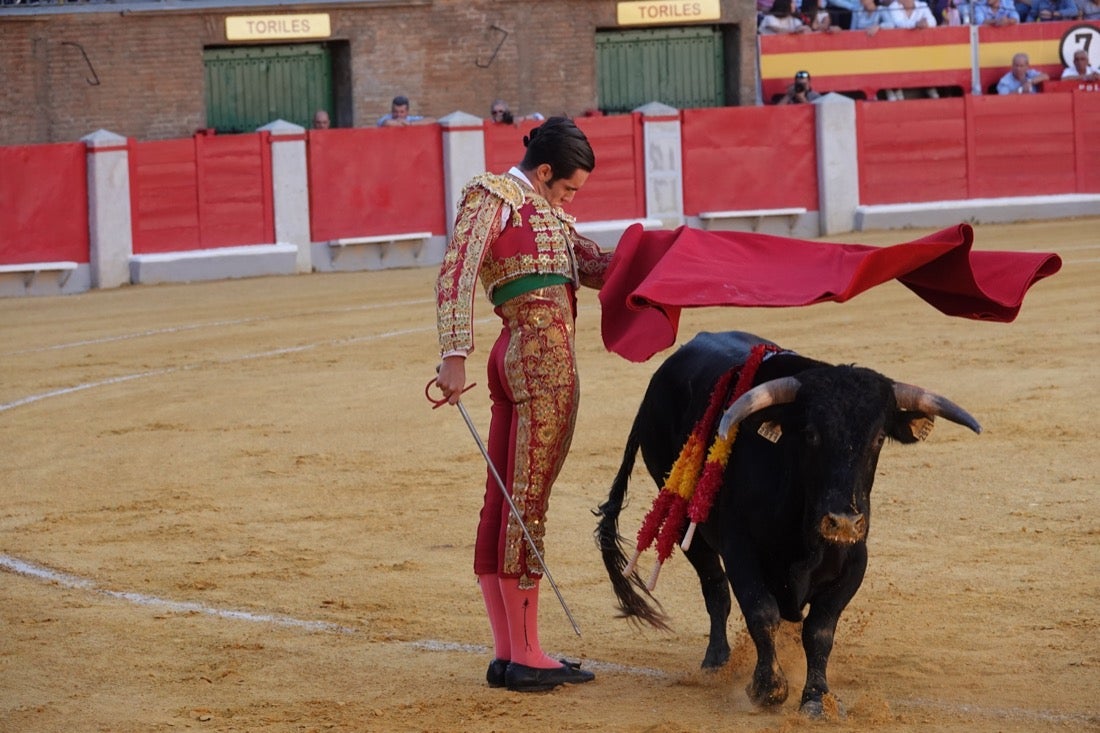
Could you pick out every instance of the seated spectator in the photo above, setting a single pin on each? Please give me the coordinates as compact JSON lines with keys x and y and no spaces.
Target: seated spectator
{"x":847,"y":8}
{"x":501,"y":113}
{"x":399,"y":115}
{"x":1089,"y":9}
{"x":947,"y":13}
{"x":801,"y":91}
{"x":870,"y":17}
{"x":321,"y":120}
{"x":817,"y":17}
{"x":1045,"y":10}
{"x":782,"y":20}
{"x":995,"y":12}
{"x":1081,"y":69}
{"x":1022,"y":79}
{"x":913,"y":14}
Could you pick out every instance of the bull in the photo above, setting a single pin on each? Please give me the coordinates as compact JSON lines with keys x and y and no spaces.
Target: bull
{"x":788,"y":528}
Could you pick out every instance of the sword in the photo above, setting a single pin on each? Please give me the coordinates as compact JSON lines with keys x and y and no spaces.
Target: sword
{"x":507,"y":496}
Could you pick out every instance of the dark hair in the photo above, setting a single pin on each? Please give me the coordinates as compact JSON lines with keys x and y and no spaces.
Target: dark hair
{"x":560,"y":143}
{"x":400,"y":101}
{"x":782,"y":8}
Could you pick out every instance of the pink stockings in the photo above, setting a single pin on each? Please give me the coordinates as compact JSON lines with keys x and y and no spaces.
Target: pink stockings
{"x":513,"y":616}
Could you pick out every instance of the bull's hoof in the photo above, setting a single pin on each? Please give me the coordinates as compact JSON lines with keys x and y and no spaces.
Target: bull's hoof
{"x":827,"y":707}
{"x":715,"y":659}
{"x":767,"y":695}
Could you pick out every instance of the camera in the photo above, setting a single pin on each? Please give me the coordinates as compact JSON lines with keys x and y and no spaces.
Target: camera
{"x":507,"y":118}
{"x":800,"y":86}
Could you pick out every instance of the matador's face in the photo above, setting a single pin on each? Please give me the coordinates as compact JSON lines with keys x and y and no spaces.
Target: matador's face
{"x":560,"y":191}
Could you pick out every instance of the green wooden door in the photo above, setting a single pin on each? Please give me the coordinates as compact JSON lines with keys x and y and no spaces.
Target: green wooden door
{"x":680,"y":67}
{"x":249,"y":86}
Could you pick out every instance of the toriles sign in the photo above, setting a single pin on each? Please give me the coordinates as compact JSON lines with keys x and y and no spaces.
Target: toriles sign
{"x":269,"y":27}
{"x":641,"y":13}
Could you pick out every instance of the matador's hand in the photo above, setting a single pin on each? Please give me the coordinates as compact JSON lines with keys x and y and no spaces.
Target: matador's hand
{"x":451,"y":378}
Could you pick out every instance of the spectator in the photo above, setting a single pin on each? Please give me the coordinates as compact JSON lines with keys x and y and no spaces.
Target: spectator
{"x":912,"y":14}
{"x":1044,"y":10}
{"x":1022,"y":79}
{"x":801,"y":91}
{"x":1081,"y":68}
{"x":1023,"y":9}
{"x":501,"y":113}
{"x":782,"y":20}
{"x":847,"y":8}
{"x":947,"y":13}
{"x":321,"y":120}
{"x":870,"y":17}
{"x":1089,"y":9}
{"x":995,"y":12}
{"x":399,"y":115}
{"x":817,"y":17}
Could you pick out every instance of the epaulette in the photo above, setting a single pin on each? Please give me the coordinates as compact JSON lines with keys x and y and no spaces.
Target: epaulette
{"x":504,"y":187}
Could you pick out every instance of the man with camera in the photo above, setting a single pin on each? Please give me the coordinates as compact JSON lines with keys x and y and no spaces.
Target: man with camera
{"x":801,"y":91}
{"x":500,"y":113}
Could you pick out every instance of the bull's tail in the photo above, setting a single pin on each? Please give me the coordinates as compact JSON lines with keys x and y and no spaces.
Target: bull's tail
{"x":632,"y":604}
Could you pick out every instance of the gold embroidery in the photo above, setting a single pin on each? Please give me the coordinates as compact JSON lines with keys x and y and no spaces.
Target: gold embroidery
{"x":541,"y":370}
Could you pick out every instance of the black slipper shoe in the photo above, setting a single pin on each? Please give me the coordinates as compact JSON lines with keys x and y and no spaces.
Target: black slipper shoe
{"x":521,"y":678}
{"x":495,"y":674}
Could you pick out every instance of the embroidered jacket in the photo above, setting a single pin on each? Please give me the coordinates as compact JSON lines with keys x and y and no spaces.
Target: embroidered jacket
{"x":536,"y":239}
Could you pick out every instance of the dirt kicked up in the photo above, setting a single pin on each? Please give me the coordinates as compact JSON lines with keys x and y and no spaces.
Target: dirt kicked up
{"x":229,"y":507}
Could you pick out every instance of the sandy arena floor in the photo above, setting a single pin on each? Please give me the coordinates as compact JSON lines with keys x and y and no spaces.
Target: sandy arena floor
{"x":228,"y":507}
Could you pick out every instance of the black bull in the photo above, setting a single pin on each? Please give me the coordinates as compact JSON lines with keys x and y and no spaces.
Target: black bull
{"x":789,"y":526}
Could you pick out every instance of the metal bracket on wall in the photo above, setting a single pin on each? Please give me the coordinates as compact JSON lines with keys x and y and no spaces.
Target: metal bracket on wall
{"x":503,"y":38}
{"x":94,"y":81}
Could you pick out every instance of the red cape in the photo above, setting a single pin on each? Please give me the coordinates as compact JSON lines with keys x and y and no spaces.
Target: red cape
{"x":655,"y":274}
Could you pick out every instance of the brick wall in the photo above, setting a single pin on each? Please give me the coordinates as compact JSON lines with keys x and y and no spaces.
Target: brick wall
{"x":439,"y":53}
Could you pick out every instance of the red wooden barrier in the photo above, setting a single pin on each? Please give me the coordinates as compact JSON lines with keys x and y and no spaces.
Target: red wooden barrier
{"x":201,"y":192}
{"x":749,"y":158}
{"x":1005,"y":163}
{"x":44,"y":214}
{"x":377,"y":180}
{"x":615,"y":190}
{"x":978,"y":147}
{"x":504,"y":145}
{"x":912,"y":151}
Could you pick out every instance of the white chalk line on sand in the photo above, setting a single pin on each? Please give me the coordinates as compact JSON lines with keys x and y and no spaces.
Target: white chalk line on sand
{"x":73,"y":582}
{"x":65,"y":580}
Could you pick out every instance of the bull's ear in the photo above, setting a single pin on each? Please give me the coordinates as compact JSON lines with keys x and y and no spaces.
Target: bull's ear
{"x":912,"y":427}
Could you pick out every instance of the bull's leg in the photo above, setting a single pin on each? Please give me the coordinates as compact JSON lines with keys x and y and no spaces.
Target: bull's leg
{"x":819,"y":629}
{"x":769,"y":683}
{"x":758,"y":606}
{"x":716,"y":596}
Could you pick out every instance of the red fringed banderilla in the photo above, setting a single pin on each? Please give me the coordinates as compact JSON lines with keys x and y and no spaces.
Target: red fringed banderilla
{"x":692,"y":484}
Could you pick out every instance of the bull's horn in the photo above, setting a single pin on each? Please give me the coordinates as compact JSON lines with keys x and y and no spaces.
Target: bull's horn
{"x":917,"y":399}
{"x":776,"y":392}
